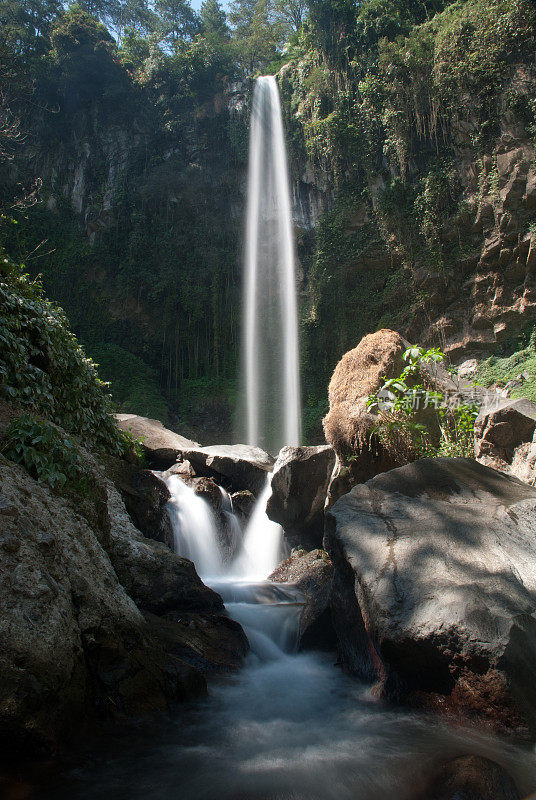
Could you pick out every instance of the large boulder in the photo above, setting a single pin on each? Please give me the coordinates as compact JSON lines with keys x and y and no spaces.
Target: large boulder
{"x":71,"y":639}
{"x":501,"y":428}
{"x":300,"y":482}
{"x":238,"y":466}
{"x":435,"y":587}
{"x":471,"y":778}
{"x":360,"y":373}
{"x":311,"y":574}
{"x":145,"y":497}
{"x":160,"y":445}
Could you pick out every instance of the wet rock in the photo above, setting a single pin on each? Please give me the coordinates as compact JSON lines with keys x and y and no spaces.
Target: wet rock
{"x":157,"y":580}
{"x":145,"y":496}
{"x":435,"y":587}
{"x":208,"y":642}
{"x":311,"y":573}
{"x":300,"y":482}
{"x":472,"y":778}
{"x":160,"y":445}
{"x":72,"y":642}
{"x":243,"y":503}
{"x":238,"y":465}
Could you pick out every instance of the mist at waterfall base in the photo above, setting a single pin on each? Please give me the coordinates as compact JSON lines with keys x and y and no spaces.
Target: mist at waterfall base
{"x":270,"y":328}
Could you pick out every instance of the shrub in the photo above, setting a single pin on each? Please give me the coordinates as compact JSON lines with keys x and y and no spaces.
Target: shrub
{"x":48,"y":455}
{"x":44,"y":369}
{"x":419,"y":420}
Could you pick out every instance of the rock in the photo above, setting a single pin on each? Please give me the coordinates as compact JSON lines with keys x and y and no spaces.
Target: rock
{"x":209,"y":642}
{"x":348,"y":425}
{"x":311,"y":574}
{"x":243,"y":503}
{"x":468,"y":369}
{"x":157,"y":580}
{"x":472,"y":778}
{"x":72,"y":642}
{"x":145,"y":496}
{"x":160,"y":445}
{"x":300,"y":482}
{"x":503,"y":426}
{"x":240,"y":465}
{"x":434,"y":588}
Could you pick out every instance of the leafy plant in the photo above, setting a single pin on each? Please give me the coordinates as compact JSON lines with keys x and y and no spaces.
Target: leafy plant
{"x":45,"y":453}
{"x":424,"y":420}
{"x":45,"y":370}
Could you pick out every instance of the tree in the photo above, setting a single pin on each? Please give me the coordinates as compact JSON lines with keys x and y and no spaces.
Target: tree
{"x":257,"y":33}
{"x":26,"y":25}
{"x":291,"y":13}
{"x":214,"y":21}
{"x":177,"y":20}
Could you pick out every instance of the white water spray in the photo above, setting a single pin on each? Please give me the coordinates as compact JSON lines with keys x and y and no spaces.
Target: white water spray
{"x":270,"y":306}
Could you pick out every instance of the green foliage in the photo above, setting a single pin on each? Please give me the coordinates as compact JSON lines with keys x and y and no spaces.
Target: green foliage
{"x":44,"y":369}
{"x":44,"y":452}
{"x":498,"y":370}
{"x":133,"y":384}
{"x":428,"y":423}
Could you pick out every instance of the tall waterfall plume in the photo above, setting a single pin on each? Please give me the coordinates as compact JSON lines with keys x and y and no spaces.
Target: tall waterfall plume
{"x":272,"y":379}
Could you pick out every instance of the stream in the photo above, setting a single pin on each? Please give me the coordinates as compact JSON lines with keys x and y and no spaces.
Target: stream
{"x":289,"y":725}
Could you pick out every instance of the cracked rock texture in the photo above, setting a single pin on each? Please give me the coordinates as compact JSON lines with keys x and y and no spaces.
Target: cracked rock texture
{"x":434,"y":588}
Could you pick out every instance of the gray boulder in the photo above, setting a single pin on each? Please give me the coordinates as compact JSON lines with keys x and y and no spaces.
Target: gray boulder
{"x":71,"y":639}
{"x":157,"y":580}
{"x":311,"y":574}
{"x":502,"y":427}
{"x":300,"y":484}
{"x":161,"y":445}
{"x":145,"y":497}
{"x":239,"y":466}
{"x":472,"y":778}
{"x":434,"y":589}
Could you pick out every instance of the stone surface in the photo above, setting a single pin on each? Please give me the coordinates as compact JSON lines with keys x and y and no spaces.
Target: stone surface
{"x":311,"y":574}
{"x":349,"y":423}
{"x":161,"y":445}
{"x":157,"y":580}
{"x":435,"y":587}
{"x":239,"y":466}
{"x":145,"y":496}
{"x":209,"y":642}
{"x":472,"y":778}
{"x":500,"y":429}
{"x":300,"y":482}
{"x":71,"y":640}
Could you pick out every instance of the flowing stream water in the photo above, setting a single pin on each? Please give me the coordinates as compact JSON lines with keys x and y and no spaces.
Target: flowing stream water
{"x":289,"y":725}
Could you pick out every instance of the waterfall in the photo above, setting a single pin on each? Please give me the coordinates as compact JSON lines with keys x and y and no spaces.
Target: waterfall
{"x":194,"y":528}
{"x":262,"y":545}
{"x":270,"y":306}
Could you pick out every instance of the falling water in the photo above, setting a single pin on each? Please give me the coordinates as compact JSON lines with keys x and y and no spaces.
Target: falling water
{"x":194,"y":528}
{"x":270,"y":306}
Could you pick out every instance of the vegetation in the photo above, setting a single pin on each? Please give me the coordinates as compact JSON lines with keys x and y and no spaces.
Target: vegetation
{"x":45,"y":370}
{"x":49,"y":456}
{"x":417,"y":418}
{"x":136,"y":120}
